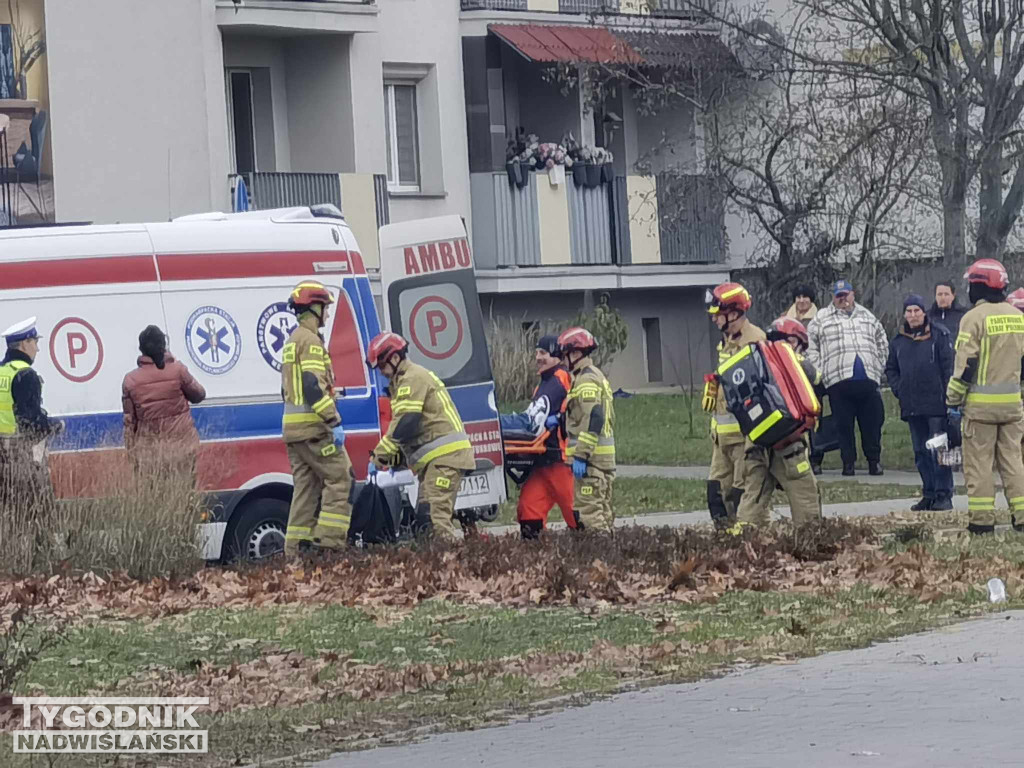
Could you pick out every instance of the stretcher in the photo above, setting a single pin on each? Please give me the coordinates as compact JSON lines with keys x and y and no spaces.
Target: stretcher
{"x":521,"y":450}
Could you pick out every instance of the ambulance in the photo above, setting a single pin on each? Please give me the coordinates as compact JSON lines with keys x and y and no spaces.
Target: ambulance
{"x":217,"y":284}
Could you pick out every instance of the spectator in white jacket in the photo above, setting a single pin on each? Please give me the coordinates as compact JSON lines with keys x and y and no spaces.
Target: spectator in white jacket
{"x":849,"y":347}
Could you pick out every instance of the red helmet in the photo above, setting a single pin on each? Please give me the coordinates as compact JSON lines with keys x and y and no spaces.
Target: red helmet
{"x":730,"y":297}
{"x":579,"y":339}
{"x":988,"y":272}
{"x":1017,"y":299}
{"x":785,"y":327}
{"x":383,"y":346}
{"x":307,"y":293}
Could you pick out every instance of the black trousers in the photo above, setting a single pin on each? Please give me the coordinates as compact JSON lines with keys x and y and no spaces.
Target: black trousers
{"x":862,"y":401}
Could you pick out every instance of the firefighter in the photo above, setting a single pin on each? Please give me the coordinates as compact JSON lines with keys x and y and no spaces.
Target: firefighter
{"x":727,"y":304}
{"x":24,"y":425}
{"x":589,"y":424}
{"x":550,"y":481}
{"x":312,"y":430}
{"x":788,"y":467}
{"x":426,"y":431}
{"x":984,"y":396}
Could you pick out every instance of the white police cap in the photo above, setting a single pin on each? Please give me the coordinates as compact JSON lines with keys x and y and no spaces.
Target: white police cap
{"x":26,"y":329}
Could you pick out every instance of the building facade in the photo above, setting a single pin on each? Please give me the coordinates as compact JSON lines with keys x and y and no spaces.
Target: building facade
{"x":393,"y":110}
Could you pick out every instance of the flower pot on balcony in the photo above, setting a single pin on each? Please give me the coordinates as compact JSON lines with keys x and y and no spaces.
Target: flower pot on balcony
{"x":593,"y":176}
{"x":607,"y":173}
{"x":515,"y":173}
{"x":579,"y":173}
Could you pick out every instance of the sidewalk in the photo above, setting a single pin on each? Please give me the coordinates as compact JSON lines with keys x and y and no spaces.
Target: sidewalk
{"x":943,"y":699}
{"x":891,"y":476}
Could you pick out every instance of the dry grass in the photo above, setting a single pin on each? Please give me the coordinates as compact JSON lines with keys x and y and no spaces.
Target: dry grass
{"x":144,"y":527}
{"x":512,"y":352}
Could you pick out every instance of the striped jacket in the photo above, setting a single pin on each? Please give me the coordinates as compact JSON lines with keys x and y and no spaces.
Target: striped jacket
{"x":987,"y":368}
{"x":837,"y":339}
{"x":723,"y":424}
{"x":307,"y":384}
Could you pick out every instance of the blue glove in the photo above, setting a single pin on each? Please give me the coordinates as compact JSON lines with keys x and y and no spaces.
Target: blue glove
{"x":552,"y":421}
{"x":339,"y":436}
{"x":579,"y":467}
{"x":371,"y":470}
{"x":953,"y":415}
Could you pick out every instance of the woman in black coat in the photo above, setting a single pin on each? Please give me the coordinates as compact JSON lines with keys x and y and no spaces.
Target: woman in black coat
{"x":919,"y":366}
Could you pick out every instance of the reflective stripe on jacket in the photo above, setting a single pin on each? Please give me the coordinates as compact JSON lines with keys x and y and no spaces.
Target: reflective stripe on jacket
{"x":723,"y":424}
{"x":987,"y":368}
{"x":590,"y":418}
{"x":307,"y":384}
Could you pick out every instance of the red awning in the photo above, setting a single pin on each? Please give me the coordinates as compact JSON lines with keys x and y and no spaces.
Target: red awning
{"x":548,"y":42}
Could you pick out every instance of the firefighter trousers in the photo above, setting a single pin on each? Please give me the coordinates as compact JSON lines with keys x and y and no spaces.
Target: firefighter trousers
{"x":988,"y":447}
{"x":789,"y":467}
{"x":322,"y":474}
{"x":592,"y":501}
{"x":725,"y":481}
{"x":439,"y":485}
{"x":545,"y":487}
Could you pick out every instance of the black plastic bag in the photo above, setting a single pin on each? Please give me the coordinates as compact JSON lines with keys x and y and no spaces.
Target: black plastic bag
{"x":372,"y":519}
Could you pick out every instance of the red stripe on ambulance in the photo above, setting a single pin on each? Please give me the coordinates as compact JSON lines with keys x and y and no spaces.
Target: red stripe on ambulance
{"x":86,"y":271}
{"x":222,"y":266}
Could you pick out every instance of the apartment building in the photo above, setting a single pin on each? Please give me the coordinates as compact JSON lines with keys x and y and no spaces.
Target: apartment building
{"x":393,"y":110}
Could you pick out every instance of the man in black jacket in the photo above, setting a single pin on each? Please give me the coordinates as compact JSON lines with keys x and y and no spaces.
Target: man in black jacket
{"x":24,"y":425}
{"x":945,"y":311}
{"x":919,"y":367}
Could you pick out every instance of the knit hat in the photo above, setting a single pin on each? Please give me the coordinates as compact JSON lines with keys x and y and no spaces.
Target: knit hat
{"x":914,"y":300}
{"x":550,"y":345}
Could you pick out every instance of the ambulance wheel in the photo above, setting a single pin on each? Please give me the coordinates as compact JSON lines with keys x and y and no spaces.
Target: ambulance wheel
{"x":487,"y":514}
{"x":256,"y":530}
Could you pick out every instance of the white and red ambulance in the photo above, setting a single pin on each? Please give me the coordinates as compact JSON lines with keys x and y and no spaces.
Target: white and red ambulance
{"x":217,"y":284}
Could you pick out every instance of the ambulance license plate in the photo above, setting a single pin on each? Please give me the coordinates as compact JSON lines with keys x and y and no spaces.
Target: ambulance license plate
{"x":475,"y":485}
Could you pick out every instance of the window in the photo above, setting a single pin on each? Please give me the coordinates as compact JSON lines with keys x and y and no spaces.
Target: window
{"x":400,"y":121}
{"x":242,"y":131}
{"x":652,"y":348}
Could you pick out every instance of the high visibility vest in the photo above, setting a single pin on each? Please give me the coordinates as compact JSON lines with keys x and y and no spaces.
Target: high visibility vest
{"x":8,"y":426}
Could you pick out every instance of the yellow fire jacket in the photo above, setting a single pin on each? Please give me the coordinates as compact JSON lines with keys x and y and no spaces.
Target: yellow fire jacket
{"x":987,"y":368}
{"x":425,"y":426}
{"x":307,"y":384}
{"x":590,"y":418}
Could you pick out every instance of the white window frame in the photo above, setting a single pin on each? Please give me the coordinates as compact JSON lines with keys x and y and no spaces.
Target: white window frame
{"x":392,"y":134}
{"x":231,"y":117}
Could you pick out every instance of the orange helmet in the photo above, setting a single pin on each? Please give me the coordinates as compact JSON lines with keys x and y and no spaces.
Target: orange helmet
{"x":383,"y":346}
{"x":1017,"y":299}
{"x":579,"y":339}
{"x":988,"y":272}
{"x":307,"y":293}
{"x":785,"y":327}
{"x":728,"y":297}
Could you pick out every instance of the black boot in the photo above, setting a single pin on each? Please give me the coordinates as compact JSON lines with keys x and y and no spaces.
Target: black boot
{"x":1018,"y":527}
{"x":922,"y":505}
{"x":815,"y":468}
{"x":941,"y":503}
{"x":875,"y":468}
{"x":848,"y":470}
{"x":530,"y":529}
{"x":716,"y":504}
{"x":979,"y":530}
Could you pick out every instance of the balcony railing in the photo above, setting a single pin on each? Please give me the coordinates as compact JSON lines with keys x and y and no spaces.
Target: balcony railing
{"x":691,"y":219}
{"x":285,"y":190}
{"x":664,"y":8}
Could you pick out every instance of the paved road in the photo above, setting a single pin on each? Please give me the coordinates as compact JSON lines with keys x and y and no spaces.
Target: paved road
{"x":945,"y":699}
{"x":891,"y":476}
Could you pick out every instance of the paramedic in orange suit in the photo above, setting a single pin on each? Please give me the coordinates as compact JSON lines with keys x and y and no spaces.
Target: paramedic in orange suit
{"x":550,"y":481}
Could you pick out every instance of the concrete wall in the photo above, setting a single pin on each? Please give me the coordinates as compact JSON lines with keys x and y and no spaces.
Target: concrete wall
{"x":685,"y":329}
{"x":265,"y":53}
{"x":139,"y":127}
{"x":414,"y":32}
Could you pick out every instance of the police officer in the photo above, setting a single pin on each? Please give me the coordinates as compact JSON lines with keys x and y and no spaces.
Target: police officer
{"x":788,"y":466}
{"x":727,"y":304}
{"x":426,"y":429}
{"x":23,"y":421}
{"x":985,"y":393}
{"x":589,"y":423}
{"x":312,"y":430}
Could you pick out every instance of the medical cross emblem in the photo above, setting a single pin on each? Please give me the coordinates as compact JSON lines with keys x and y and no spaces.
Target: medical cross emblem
{"x":214,"y":342}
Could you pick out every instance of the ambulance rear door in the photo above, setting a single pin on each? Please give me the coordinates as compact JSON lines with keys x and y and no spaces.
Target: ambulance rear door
{"x":430,"y":298}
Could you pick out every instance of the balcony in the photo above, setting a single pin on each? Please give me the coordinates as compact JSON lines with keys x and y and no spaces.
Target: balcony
{"x":345,"y":16}
{"x":632,"y":220}
{"x":682,"y":9}
{"x":361,"y":197}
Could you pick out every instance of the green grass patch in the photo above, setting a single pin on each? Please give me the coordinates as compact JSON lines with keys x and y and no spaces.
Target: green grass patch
{"x":672,"y":430}
{"x":651,"y":494}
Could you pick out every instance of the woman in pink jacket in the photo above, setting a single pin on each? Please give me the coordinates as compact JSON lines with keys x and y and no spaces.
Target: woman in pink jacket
{"x":158,"y":427}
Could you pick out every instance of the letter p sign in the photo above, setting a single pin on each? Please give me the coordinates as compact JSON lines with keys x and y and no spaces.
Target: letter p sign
{"x":436,"y":324}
